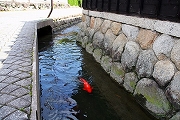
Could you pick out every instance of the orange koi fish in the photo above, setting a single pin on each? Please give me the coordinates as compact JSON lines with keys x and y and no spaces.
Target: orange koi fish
{"x":87,"y":87}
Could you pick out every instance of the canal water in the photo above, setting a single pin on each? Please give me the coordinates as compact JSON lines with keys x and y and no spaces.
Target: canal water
{"x":61,"y":62}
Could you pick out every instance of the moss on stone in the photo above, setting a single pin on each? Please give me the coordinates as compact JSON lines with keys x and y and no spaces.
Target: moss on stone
{"x":133,"y":84}
{"x":97,"y":54}
{"x":117,"y":71}
{"x":64,"y":40}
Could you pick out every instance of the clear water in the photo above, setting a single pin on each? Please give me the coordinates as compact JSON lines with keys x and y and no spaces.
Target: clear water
{"x":61,"y":62}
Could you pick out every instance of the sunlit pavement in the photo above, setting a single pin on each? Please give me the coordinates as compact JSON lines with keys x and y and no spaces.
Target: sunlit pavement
{"x":17,"y":33}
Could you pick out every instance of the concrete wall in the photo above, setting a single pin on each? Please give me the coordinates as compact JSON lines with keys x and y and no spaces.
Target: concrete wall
{"x":33,"y":4}
{"x":141,"y":54}
{"x":35,"y":1}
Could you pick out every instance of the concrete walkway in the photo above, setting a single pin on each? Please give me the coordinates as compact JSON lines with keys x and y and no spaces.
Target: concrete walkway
{"x":17,"y":35}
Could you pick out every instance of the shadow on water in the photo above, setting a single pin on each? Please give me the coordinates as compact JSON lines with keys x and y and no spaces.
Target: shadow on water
{"x":61,"y":62}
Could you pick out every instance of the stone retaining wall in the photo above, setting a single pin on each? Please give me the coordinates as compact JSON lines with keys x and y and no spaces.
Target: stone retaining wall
{"x":16,"y":6}
{"x":60,"y":23}
{"x":142,"y":55}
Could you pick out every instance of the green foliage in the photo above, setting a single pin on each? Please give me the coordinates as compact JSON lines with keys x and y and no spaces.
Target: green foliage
{"x":75,"y":2}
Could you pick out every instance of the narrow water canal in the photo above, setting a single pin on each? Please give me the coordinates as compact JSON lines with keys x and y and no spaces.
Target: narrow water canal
{"x":61,"y":62}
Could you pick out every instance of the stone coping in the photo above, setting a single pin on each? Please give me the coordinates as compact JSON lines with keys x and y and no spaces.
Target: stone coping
{"x":166,"y":27}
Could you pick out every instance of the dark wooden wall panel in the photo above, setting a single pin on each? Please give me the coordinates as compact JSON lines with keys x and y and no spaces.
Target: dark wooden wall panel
{"x":88,"y":4}
{"x":114,"y":6}
{"x":135,"y":6}
{"x":84,"y":4}
{"x":159,"y":9}
{"x":170,"y":8}
{"x":99,"y":5}
{"x":94,"y":5}
{"x":150,"y":7}
{"x":123,"y":6}
{"x":106,"y":4}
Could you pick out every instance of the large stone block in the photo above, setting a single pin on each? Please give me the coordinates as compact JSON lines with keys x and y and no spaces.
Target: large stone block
{"x":116,"y":28}
{"x":91,"y":34}
{"x":117,"y":72}
{"x":98,"y":39}
{"x":163,"y":72}
{"x":98,"y":54}
{"x":173,"y":91}
{"x":108,"y":41}
{"x":92,"y":22}
{"x":130,"y":81}
{"x":145,"y":63}
{"x":97,"y":24}
{"x":84,"y":41}
{"x":118,"y":47}
{"x":162,"y":46}
{"x":130,"y":55}
{"x":152,"y":97}
{"x":105,"y":26}
{"x":176,"y":116}
{"x":83,"y":18}
{"x":175,"y":55}
{"x":88,"y":20}
{"x":106,"y":63}
{"x":89,"y":48}
{"x":130,"y":31}
{"x":146,"y":38}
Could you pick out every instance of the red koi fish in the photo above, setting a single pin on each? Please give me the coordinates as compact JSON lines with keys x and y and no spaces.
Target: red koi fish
{"x":87,"y":87}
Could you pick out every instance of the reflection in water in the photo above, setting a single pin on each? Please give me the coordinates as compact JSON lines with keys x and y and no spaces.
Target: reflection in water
{"x":62,"y":97}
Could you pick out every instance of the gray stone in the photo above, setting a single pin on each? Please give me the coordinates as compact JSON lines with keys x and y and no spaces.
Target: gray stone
{"x":5,"y":110}
{"x":130,"y":81}
{"x":91,"y":34}
{"x":88,"y":20}
{"x":105,"y":26}
{"x":154,"y":97}
{"x":89,"y":48}
{"x":86,"y":31}
{"x":11,"y":80}
{"x":118,"y":47}
{"x":145,"y":64}
{"x":20,"y":92}
{"x":106,"y":63}
{"x":9,"y":88}
{"x":84,"y":41}
{"x":23,"y":75}
{"x":98,"y":39}
{"x":97,"y":24}
{"x":176,"y":116}
{"x":17,"y":115}
{"x":173,"y":91}
{"x":3,"y":85}
{"x":117,"y":72}
{"x":97,"y":54}
{"x":108,"y":41}
{"x":116,"y":28}
{"x":4,"y":99}
{"x":14,"y":73}
{"x":19,"y":103}
{"x":175,"y":56}
{"x":131,"y":32}
{"x":23,"y":82}
{"x":130,"y":55}
{"x":162,"y":46}
{"x":163,"y":72}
